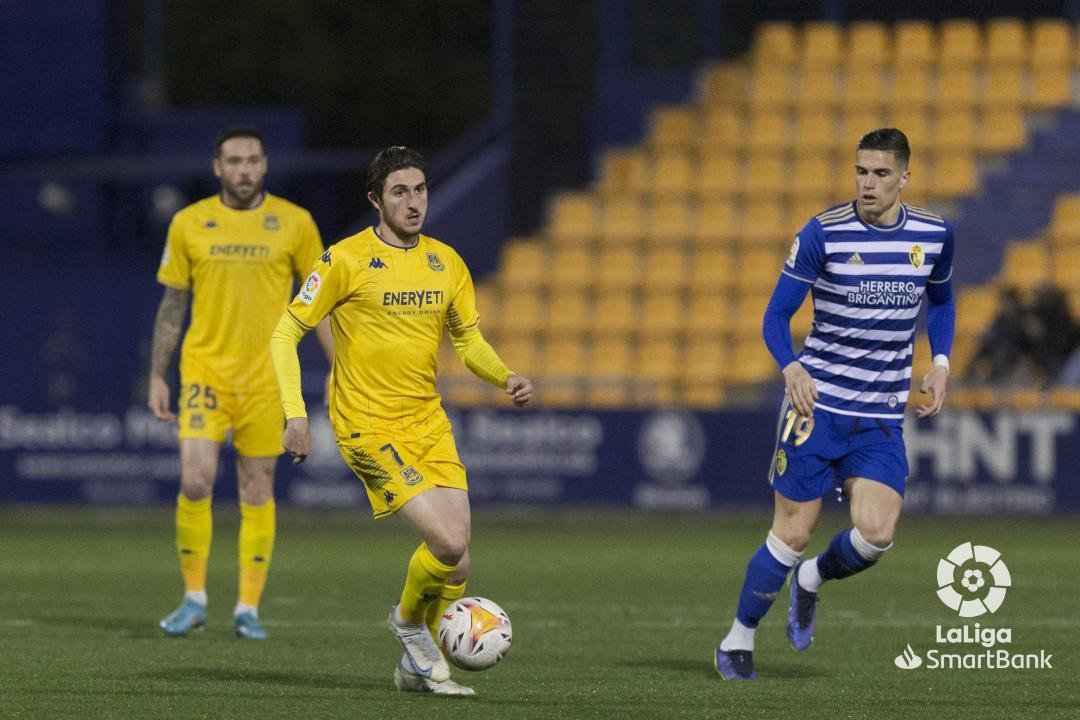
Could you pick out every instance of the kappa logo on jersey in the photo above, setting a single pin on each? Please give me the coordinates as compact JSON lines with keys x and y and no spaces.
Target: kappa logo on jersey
{"x":855,"y":259}
{"x":270,"y":222}
{"x":326,"y":257}
{"x":916,"y":256}
{"x":793,"y":254}
{"x":211,"y":223}
{"x":435,"y":263}
{"x":376,"y":263}
{"x":311,"y":288}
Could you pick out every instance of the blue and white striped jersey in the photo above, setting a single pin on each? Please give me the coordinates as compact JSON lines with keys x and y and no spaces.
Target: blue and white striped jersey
{"x":867,"y":285}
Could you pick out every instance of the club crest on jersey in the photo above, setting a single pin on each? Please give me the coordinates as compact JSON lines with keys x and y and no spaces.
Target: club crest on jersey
{"x":790,"y":262}
{"x":311,"y":288}
{"x":412,"y":476}
{"x":376,"y":263}
{"x":781,"y":462}
{"x":916,"y":255}
{"x":270,"y":222}
{"x":435,"y":263}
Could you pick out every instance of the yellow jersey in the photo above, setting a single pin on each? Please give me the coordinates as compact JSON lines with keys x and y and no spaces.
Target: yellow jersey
{"x":239,"y":266}
{"x":387,"y":308}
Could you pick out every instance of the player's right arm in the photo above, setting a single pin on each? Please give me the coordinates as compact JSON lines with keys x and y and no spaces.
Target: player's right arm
{"x":803,"y":265}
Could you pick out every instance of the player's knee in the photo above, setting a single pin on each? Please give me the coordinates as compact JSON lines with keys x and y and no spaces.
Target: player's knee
{"x":196,"y":485}
{"x":449,"y":547}
{"x":879,"y":537}
{"x":794,"y":538}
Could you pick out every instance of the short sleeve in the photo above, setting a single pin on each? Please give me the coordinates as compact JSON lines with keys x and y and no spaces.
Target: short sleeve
{"x":325,"y":286}
{"x":309,"y":247}
{"x":942,"y":270}
{"x":806,"y":259}
{"x":175,"y":268}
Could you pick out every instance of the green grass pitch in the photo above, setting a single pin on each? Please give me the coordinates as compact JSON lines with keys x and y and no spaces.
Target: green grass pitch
{"x":615,"y":615}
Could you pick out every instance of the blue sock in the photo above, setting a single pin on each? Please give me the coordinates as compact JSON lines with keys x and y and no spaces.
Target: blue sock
{"x":842,"y":560}
{"x":765,"y":576}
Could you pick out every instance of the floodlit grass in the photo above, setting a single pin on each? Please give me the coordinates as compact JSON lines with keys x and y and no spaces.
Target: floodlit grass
{"x":615,"y":615}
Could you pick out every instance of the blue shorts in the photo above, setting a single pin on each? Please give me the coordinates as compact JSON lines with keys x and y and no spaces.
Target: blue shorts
{"x":813,"y":457}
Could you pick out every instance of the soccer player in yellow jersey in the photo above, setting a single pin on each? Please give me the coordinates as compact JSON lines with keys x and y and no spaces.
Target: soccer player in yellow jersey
{"x":234,"y":257}
{"x":389,"y":291}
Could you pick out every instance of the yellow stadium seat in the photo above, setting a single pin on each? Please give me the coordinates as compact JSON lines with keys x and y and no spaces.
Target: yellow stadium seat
{"x":519,"y":352}
{"x":962,"y":398}
{"x":572,"y":218}
{"x":1065,"y":223}
{"x":721,"y":175}
{"x":665,"y":269}
{"x":611,"y":371}
{"x":856,"y":124}
{"x":911,"y":88}
{"x":770,"y":90}
{"x":752,"y":363}
{"x":1066,"y":267}
{"x":957,"y":87}
{"x":815,"y":134}
{"x":766,"y":175}
{"x":720,"y":84}
{"x":712,"y":271}
{"x":624,"y":171}
{"x":812,"y":175}
{"x":571,"y":267}
{"x":659,"y":362}
{"x":955,"y":131}
{"x":717,"y":223}
{"x":1004,"y":88}
{"x":615,"y":313}
{"x":1025,"y":399}
{"x":705,"y":362}
{"x":524,"y":263}
{"x":1051,"y":87}
{"x":1065,"y":398}
{"x":804,"y":208}
{"x":618,"y":268}
{"x":709,"y":315}
{"x":1026,"y":265}
{"x":864,"y":90}
{"x":663,"y":315}
{"x":1002,"y":131}
{"x":757,"y":271}
{"x":775,"y":44}
{"x":817,"y":91}
{"x":674,"y":127}
{"x":822,"y":46}
{"x":961,"y":43}
{"x":671,"y":220}
{"x":768,"y":132}
{"x":703,"y":396}
{"x":524,"y":311}
{"x":1006,"y":42}
{"x":915,"y":44}
{"x":569,"y":314}
{"x":868,"y":45}
{"x":765,"y":223}
{"x":975,"y":308}
{"x":954,"y":175}
{"x":750,"y":305}
{"x":622,"y":220}
{"x":1051,"y":43}
{"x":674,"y":173}
{"x":724,"y":130}
{"x":915,"y":123}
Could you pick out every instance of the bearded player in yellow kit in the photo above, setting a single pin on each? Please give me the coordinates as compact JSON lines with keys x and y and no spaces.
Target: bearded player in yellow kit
{"x":234,"y":256}
{"x":389,"y":291}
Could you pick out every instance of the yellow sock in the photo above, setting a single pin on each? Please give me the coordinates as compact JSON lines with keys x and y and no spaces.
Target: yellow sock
{"x":423,"y":584}
{"x":194,"y":526}
{"x":450,"y":594}
{"x":257,"y":530}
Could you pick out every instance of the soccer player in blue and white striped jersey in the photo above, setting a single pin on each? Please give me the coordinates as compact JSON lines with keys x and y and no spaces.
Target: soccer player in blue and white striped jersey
{"x":868,"y":264}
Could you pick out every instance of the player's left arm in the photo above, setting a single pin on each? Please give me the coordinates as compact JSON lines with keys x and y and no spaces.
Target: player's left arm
{"x":941,"y":327}
{"x":462,"y":320}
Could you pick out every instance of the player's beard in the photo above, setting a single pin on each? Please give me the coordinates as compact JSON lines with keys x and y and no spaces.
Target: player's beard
{"x":241,"y":195}
{"x":403,"y":232}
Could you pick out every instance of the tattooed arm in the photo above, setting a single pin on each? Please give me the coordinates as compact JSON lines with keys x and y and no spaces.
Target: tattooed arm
{"x":167,"y":325}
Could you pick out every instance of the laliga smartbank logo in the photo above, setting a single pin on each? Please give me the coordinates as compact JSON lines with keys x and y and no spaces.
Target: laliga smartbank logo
{"x":972,"y":581}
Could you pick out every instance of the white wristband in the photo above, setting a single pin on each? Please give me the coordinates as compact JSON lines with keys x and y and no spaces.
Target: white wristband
{"x":942,"y":361}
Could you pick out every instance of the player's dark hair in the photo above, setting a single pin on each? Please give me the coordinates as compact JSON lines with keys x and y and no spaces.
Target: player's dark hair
{"x":395,"y":157}
{"x":236,"y":131}
{"x":887,"y":140}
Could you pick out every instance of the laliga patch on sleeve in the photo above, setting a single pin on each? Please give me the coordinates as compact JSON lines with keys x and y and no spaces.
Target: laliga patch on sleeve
{"x":310,"y":289}
{"x":790,"y":262}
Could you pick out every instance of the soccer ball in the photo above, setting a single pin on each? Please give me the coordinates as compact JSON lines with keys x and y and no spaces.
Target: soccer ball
{"x":475,"y":633}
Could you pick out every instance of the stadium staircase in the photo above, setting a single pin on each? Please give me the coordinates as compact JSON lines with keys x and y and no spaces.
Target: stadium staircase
{"x":647,"y":287}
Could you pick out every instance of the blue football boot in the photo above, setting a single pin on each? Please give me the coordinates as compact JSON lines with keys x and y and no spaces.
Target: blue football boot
{"x":802,"y":615}
{"x":248,"y":627}
{"x":189,"y":616}
{"x":735,"y":664}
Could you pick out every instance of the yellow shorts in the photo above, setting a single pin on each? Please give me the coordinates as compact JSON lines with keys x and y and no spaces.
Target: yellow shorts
{"x":395,"y":471}
{"x":256,"y":419}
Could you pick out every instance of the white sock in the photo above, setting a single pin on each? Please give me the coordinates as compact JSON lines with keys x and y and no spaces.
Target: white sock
{"x":809,"y":577}
{"x":739,"y":637}
{"x":241,"y":608}
{"x":198,"y":596}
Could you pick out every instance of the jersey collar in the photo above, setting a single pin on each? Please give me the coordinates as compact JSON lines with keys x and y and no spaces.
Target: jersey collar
{"x":900,"y":219}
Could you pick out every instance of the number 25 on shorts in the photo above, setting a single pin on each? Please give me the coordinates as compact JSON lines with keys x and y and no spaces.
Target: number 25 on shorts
{"x":802,"y":427}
